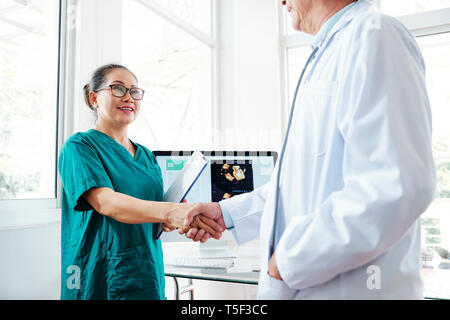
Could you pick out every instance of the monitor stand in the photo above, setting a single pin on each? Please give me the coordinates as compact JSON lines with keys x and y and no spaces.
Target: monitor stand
{"x":217,"y":249}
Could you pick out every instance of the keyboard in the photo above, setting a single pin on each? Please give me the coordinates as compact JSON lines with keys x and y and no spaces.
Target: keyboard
{"x":200,"y":263}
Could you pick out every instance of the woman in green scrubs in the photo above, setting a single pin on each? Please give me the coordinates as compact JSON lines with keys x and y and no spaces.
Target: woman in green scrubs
{"x":112,"y":201}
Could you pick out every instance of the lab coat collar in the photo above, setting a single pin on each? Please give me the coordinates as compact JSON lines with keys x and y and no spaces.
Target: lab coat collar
{"x":328,"y":25}
{"x":357,"y":8}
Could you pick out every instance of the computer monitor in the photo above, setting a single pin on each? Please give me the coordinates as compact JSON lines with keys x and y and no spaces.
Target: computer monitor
{"x":228,"y":173}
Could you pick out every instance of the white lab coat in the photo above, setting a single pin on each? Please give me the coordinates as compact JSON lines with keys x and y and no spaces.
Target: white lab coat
{"x":357,"y":174}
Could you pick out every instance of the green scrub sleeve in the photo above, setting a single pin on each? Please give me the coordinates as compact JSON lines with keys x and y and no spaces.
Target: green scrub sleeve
{"x":80,"y":170}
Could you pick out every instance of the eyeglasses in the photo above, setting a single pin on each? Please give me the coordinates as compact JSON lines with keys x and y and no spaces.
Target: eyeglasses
{"x":119,"y":91}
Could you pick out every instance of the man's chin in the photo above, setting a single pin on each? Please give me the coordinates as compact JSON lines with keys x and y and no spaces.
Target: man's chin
{"x":296,"y":26}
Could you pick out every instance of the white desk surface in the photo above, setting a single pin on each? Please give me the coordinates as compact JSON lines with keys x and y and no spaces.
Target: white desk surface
{"x":240,"y":273}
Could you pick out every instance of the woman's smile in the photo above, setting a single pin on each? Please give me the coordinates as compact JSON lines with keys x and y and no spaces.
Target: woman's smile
{"x":126,"y":109}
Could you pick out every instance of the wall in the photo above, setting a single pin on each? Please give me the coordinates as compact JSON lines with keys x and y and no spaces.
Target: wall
{"x":97,"y":43}
{"x":250,"y":111}
{"x":30,"y":262}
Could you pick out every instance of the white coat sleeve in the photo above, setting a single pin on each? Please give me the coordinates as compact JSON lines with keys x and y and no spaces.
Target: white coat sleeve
{"x":389,"y":178}
{"x":245,"y":211}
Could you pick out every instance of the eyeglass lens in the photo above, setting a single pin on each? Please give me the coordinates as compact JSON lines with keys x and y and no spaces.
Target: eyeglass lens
{"x":120,"y":91}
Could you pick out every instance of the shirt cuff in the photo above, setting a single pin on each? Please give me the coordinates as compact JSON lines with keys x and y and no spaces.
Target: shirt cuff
{"x":226,"y":218}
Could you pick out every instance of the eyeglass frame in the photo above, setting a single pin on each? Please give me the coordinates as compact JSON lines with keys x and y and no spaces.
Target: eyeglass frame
{"x":127,"y":89}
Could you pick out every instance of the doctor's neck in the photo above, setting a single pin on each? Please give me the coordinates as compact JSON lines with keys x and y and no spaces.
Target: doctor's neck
{"x":321,"y":12}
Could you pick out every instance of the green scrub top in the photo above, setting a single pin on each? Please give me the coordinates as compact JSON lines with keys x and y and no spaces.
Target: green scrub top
{"x":102,"y":258}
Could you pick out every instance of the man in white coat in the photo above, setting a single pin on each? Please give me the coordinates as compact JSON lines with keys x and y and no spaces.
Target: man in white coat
{"x":356,"y":169}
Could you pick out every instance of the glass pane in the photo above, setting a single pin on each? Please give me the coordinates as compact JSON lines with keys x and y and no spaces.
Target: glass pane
{"x":435,"y":235}
{"x":175,"y":69}
{"x":406,"y":7}
{"x":296,"y":59}
{"x":28,"y":94}
{"x":288,"y":29}
{"x":196,"y":12}
{"x":436,"y":221}
{"x":436,"y":52}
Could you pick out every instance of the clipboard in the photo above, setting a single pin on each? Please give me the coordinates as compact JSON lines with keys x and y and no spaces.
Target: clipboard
{"x":183,"y":183}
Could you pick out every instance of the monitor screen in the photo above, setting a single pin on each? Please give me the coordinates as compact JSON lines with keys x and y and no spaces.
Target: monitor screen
{"x":227,"y":174}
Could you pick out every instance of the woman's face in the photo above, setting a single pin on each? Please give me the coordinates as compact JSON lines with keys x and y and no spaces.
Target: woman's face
{"x":115,"y":111}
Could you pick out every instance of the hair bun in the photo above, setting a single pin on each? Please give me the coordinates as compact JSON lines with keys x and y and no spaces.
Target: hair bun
{"x":86,"y":90}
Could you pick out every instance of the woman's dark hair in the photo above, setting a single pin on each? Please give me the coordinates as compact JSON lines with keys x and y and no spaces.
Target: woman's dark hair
{"x":98,"y":80}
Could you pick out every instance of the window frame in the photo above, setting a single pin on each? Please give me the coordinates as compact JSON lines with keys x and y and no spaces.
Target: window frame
{"x":211,"y":41}
{"x":422,"y":24}
{"x":427,"y":23}
{"x":49,"y":208}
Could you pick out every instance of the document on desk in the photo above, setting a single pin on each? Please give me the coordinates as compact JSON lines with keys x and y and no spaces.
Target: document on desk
{"x":183,"y":183}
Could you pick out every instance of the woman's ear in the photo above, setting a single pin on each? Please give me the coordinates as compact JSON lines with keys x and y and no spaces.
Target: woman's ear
{"x":93,"y":99}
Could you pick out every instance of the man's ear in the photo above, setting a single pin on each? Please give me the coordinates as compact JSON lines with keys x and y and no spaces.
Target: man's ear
{"x":93,"y":98}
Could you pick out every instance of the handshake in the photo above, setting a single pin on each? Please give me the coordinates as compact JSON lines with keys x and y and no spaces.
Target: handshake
{"x":198,"y":221}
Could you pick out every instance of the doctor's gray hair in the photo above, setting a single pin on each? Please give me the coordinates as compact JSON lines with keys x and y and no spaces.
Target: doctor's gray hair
{"x":98,"y":80}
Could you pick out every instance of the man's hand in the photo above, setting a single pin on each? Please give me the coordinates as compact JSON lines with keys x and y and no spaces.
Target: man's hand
{"x":273,"y":269}
{"x":206,"y":213}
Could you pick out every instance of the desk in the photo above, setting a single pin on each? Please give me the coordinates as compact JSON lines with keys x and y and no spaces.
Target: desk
{"x":199,"y":274}
{"x":436,"y":280}
{"x":241,"y":273}
{"x":232,"y":276}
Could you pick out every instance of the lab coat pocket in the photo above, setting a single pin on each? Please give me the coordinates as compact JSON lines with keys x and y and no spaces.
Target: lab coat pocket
{"x":318,"y":115}
{"x":274,"y":289}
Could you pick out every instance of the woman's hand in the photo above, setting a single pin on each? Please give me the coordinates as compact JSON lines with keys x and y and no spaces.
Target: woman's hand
{"x":179,"y":214}
{"x":208,"y":213}
{"x":176,"y":215}
{"x":167,"y":228}
{"x":197,"y":229}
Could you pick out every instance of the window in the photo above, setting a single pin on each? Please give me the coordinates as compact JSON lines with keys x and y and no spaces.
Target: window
{"x":168,"y":45}
{"x":287,"y":25}
{"x":195,"y":12}
{"x":436,"y":220}
{"x":436,"y":53}
{"x":407,"y":7}
{"x":432,"y":31}
{"x":296,"y":58}
{"x":28,"y":98}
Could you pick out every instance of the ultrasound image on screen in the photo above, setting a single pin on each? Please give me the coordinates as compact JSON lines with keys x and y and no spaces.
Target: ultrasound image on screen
{"x":230,"y":178}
